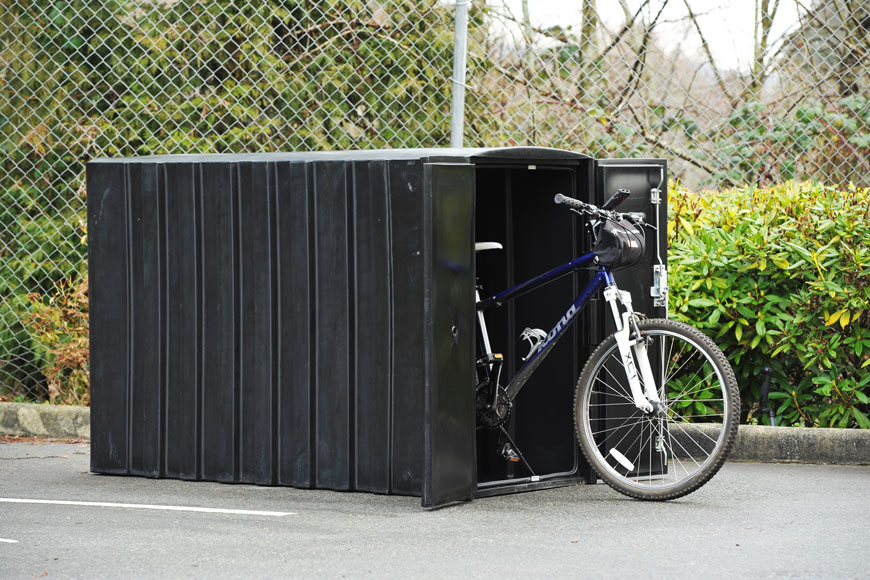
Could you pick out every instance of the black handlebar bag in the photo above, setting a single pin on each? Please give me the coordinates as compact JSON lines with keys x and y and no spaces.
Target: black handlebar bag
{"x":619,"y":244}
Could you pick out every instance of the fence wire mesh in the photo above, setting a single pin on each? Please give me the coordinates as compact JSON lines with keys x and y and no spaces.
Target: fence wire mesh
{"x":666,"y":78}
{"x":93,"y":78}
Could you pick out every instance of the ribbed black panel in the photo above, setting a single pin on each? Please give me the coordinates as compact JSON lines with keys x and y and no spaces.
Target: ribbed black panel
{"x":244,"y":321}
{"x":333,"y":389}
{"x":406,"y":222}
{"x":373,"y":327}
{"x":182,"y":320}
{"x":255,"y":289}
{"x":219,"y":360}
{"x":145,"y":273}
{"x":298,"y":326}
{"x":109,"y":297}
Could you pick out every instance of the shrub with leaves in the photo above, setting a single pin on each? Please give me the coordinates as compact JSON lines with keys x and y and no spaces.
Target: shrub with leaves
{"x":780,"y":277}
{"x":59,"y":326}
{"x":758,"y":144}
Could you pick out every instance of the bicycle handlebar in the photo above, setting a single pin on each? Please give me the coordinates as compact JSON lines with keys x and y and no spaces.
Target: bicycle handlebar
{"x":596,"y":211}
{"x":573,"y":203}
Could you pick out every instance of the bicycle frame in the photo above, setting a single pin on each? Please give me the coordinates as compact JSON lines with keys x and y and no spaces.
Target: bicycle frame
{"x":601,"y":279}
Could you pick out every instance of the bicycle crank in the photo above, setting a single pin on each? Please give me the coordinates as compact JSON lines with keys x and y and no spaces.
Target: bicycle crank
{"x":493,"y":411}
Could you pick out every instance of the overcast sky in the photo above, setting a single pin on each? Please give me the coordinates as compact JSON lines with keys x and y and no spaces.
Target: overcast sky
{"x":727,"y":24}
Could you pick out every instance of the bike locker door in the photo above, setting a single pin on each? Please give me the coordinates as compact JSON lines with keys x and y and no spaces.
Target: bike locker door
{"x":449,"y":466}
{"x":647,"y":179}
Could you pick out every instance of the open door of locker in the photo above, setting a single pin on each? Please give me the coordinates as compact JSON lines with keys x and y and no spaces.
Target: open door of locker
{"x":647,"y":180}
{"x":449,"y":472}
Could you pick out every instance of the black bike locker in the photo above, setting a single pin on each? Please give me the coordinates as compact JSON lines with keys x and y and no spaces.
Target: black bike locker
{"x":308,"y":319}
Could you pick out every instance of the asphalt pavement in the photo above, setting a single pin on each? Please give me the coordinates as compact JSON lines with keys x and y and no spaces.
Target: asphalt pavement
{"x":752,"y":520}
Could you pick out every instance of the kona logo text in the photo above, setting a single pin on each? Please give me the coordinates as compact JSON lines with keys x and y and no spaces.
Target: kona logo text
{"x":563,"y":322}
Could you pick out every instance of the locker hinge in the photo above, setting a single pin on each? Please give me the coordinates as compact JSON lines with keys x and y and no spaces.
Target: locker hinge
{"x":659,"y":290}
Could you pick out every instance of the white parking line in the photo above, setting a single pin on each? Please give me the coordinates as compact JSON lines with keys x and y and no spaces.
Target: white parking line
{"x":5,"y":541}
{"x":173,"y":508}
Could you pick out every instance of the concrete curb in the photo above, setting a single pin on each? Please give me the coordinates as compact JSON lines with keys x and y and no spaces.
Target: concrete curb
{"x":754,"y":443}
{"x":54,"y":421}
{"x":801,"y":445}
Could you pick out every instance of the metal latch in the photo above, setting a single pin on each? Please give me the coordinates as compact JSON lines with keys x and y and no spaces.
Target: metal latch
{"x":659,"y":290}
{"x":655,"y":196}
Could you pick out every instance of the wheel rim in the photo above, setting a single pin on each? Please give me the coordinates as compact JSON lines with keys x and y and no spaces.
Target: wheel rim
{"x":666,"y":449}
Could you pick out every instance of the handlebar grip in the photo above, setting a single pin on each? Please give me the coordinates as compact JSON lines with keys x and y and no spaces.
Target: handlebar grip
{"x":617,"y":198}
{"x":569,"y":201}
{"x":638,"y":217}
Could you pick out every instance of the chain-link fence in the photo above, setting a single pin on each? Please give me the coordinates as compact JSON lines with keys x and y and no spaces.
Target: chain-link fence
{"x":88,"y":78}
{"x":666,"y":78}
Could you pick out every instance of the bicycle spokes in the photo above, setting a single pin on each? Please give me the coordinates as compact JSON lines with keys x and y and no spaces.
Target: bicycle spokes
{"x":672,"y":450}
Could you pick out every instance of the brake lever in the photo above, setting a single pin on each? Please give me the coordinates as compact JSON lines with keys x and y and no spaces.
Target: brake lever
{"x":637,"y":216}
{"x":642,"y":221}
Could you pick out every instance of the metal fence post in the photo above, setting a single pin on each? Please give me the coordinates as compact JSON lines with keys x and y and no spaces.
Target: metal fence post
{"x":460,"y":52}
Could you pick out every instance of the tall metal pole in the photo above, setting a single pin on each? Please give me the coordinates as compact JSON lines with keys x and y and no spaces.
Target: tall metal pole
{"x":460,"y":50}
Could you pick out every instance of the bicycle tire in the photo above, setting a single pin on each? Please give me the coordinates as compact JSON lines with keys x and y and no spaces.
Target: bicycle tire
{"x":671,"y":452}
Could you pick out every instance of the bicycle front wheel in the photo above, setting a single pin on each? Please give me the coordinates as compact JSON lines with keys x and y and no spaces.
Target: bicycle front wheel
{"x":676,"y":449}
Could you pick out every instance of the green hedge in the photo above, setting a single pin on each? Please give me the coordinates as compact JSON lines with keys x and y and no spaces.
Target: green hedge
{"x":780,"y":277}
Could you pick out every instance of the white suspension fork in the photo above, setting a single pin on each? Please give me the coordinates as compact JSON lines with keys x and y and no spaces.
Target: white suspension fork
{"x":634,"y":355}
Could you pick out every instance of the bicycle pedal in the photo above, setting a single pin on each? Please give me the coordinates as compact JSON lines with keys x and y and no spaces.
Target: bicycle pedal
{"x":509,"y":454}
{"x":491,"y":359}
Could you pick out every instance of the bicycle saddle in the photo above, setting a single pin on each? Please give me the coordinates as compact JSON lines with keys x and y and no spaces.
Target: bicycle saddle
{"x":482,"y":246}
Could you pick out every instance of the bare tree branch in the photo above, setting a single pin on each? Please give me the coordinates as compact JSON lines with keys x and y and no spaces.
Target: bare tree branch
{"x":813,"y":13}
{"x":588,"y":45}
{"x":763,"y":22}
{"x":845,"y":141}
{"x":772,"y":61}
{"x":731,"y":100}
{"x":527,"y":64}
{"x":639,"y":63}
{"x":629,"y":24}
{"x":656,"y":141}
{"x":625,"y":10}
{"x":559,"y":34}
{"x":676,"y":151}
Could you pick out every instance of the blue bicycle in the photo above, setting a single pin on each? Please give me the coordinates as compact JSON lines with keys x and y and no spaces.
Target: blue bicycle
{"x":656,"y":407}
